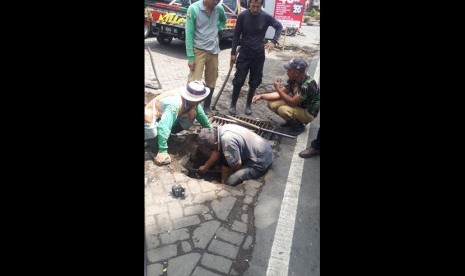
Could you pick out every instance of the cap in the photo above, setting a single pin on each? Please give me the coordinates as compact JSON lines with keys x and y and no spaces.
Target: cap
{"x":296,"y":63}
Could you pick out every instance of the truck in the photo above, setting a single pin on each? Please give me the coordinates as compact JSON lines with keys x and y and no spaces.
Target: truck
{"x":167,"y":20}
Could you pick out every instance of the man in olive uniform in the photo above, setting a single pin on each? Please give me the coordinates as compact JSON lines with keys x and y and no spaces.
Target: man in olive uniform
{"x":298,"y":102}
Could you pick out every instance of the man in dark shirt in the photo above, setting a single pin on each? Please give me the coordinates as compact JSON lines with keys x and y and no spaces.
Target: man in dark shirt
{"x":298,"y":102}
{"x":251,"y":27}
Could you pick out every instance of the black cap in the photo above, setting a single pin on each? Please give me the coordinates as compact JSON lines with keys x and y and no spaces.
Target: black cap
{"x":208,"y":137}
{"x":296,"y":63}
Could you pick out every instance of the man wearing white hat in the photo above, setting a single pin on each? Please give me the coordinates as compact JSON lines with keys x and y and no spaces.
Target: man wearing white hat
{"x":172,"y":112}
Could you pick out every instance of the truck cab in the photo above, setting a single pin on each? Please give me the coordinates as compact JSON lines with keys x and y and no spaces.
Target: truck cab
{"x":167,"y":20}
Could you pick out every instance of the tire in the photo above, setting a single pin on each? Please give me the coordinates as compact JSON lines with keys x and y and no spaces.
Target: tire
{"x":147,"y":31}
{"x":164,"y":39}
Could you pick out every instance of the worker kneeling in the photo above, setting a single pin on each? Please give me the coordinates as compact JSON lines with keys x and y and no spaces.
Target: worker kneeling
{"x":248,"y":155}
{"x":172,"y":112}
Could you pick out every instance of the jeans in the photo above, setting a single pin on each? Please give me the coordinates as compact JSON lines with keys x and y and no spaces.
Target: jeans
{"x":244,"y":173}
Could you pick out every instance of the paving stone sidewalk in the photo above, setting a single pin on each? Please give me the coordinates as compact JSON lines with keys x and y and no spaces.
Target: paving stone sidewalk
{"x":200,"y":234}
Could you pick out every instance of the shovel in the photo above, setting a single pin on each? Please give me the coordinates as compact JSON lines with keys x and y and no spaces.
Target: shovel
{"x":231,"y":65}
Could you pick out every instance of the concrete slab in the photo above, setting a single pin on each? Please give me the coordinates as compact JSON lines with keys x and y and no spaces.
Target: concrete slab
{"x":204,"y":233}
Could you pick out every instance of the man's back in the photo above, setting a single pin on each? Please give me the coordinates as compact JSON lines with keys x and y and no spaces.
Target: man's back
{"x":239,"y":142}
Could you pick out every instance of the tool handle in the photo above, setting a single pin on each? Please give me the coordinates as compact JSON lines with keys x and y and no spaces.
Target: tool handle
{"x":153,"y":66}
{"x":231,"y":64}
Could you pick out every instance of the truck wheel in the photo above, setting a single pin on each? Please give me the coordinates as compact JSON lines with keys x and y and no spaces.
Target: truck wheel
{"x":146,"y":31}
{"x":164,"y":39}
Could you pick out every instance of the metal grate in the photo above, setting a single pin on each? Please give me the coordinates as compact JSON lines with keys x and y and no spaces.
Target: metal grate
{"x":262,"y":124}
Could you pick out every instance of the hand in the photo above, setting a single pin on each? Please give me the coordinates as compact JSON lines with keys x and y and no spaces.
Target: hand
{"x":277,"y":84}
{"x":256,"y":98}
{"x":163,"y":158}
{"x":191,"y":65}
{"x":203,"y":169}
{"x":233,"y":58}
{"x":269,"y":46}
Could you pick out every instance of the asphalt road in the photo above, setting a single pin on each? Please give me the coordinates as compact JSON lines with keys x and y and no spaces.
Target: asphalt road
{"x":304,"y":247}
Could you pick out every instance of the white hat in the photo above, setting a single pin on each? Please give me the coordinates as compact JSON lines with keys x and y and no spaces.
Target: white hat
{"x":195,"y":91}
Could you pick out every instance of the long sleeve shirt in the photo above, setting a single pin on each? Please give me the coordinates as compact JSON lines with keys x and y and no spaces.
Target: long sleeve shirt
{"x":253,"y":29}
{"x":202,"y":29}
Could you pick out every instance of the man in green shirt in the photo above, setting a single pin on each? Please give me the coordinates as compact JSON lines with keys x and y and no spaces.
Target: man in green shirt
{"x":172,"y":112}
{"x":205,"y":18}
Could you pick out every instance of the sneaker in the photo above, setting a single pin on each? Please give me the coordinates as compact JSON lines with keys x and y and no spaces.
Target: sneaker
{"x":207,"y":109}
{"x":286,"y":124}
{"x":309,"y":152}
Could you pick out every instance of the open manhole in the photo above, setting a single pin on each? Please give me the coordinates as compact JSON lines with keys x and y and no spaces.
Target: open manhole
{"x":192,"y":161}
{"x":187,"y":157}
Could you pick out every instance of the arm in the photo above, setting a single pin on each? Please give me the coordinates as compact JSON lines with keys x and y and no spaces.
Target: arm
{"x":210,"y":162}
{"x":278,"y":27}
{"x":273,"y":96}
{"x":232,"y":155}
{"x":190,"y":30}
{"x":222,"y":17}
{"x":202,"y":117}
{"x":282,"y":91}
{"x":277,"y":33}
{"x":313,"y":92}
{"x":164,"y":128}
{"x":236,"y":36}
